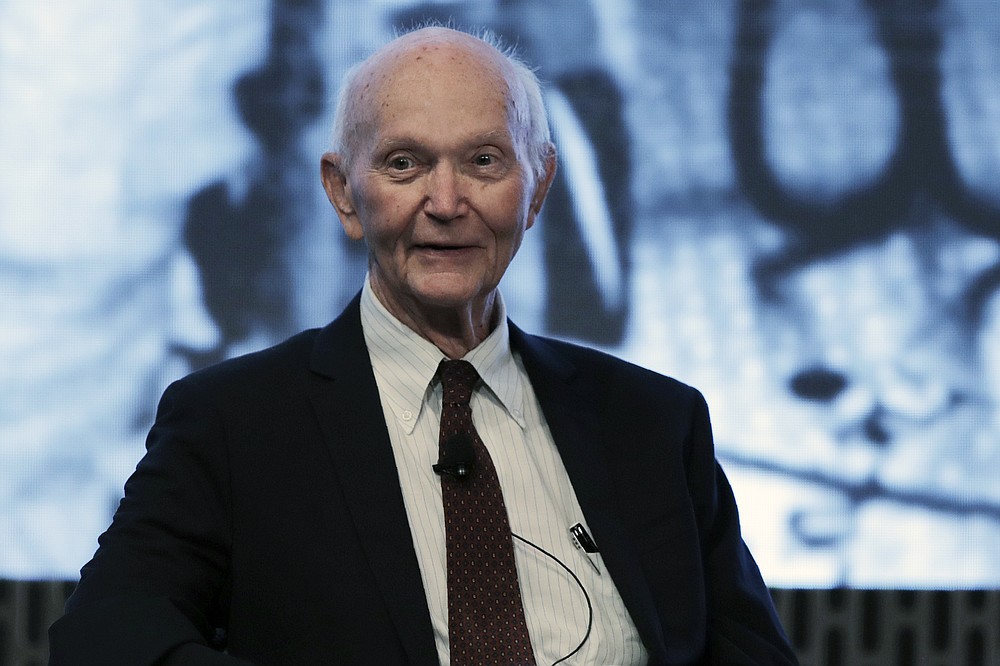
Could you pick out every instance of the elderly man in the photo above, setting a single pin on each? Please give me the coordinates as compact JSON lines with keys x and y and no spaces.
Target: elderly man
{"x":420,"y":482}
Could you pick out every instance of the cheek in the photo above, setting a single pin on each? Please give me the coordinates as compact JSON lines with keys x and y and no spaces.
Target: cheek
{"x":512,"y":209}
{"x":386,"y":221}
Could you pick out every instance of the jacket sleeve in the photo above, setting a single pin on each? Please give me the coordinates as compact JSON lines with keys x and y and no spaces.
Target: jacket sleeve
{"x":155,"y":591}
{"x":743,"y":626}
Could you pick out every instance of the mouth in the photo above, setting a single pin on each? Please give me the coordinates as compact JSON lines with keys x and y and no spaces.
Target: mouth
{"x":438,"y":248}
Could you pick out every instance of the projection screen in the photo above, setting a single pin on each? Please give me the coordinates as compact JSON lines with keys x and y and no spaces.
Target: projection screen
{"x":793,"y":206}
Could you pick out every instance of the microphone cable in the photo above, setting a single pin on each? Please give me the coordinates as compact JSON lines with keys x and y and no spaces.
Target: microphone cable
{"x":457,"y":461}
{"x":590,"y":606}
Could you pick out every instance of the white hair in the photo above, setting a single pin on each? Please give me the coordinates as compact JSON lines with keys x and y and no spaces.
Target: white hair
{"x":526,"y":108}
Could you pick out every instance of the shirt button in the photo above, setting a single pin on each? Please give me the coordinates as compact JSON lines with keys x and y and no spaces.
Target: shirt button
{"x":516,"y":413}
{"x":406,"y":415}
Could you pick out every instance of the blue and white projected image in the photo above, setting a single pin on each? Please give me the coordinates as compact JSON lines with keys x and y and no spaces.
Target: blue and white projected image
{"x":794,"y":206}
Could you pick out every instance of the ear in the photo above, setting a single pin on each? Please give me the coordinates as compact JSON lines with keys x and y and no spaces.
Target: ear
{"x":542,"y":184}
{"x":338,"y":191}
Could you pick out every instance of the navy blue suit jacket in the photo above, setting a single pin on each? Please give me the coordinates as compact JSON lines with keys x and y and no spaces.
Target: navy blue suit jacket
{"x":266,"y":516}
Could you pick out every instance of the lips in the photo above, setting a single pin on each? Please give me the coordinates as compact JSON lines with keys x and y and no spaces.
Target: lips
{"x":443,"y":247}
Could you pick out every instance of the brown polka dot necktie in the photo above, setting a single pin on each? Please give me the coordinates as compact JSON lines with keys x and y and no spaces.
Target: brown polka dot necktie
{"x":485,"y":615}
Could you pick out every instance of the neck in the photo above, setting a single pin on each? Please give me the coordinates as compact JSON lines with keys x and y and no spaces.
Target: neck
{"x":455,"y":330}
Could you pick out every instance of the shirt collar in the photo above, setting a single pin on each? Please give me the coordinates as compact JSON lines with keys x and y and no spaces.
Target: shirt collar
{"x":409,"y":362}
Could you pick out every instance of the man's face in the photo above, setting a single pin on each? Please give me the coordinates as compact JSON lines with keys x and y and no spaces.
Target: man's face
{"x":438,"y":188}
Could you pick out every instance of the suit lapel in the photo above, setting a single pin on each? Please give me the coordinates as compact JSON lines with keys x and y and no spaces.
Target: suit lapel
{"x":568,"y":403}
{"x":347,"y":404}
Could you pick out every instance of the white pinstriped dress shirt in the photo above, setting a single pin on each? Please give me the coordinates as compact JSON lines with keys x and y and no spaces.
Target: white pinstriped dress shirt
{"x":541,"y":503}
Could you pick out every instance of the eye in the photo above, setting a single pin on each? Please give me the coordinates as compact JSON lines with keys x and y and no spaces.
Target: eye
{"x":400,"y":163}
{"x":484,"y":159}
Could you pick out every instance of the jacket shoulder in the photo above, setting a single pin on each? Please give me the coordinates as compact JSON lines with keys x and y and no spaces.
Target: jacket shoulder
{"x":274,"y":366}
{"x":594,"y":366}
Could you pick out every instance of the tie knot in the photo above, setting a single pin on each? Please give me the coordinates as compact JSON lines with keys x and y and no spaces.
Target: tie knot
{"x":458,"y":378}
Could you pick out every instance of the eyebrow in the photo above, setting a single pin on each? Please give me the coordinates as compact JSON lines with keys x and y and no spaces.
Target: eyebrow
{"x":408,"y":141}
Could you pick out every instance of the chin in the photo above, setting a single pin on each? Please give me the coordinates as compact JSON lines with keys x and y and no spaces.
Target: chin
{"x":445,"y":300}
{"x":448,"y":292}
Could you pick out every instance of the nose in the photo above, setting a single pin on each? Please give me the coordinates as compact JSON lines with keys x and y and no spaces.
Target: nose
{"x":191,"y":326}
{"x":445,"y":196}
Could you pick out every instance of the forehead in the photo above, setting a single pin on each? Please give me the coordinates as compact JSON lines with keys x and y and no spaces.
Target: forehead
{"x":437,"y":52}
{"x":451,"y":82}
